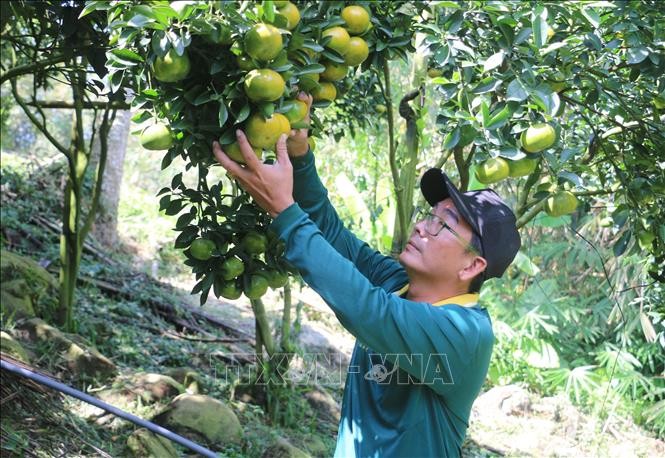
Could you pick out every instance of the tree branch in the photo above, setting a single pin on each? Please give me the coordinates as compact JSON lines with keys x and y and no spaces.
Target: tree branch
{"x":89,"y":105}
{"x":31,"y":68}
{"x":39,"y":125}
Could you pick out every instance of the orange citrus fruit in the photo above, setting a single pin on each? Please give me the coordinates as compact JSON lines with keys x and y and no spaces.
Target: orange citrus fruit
{"x":356,"y":18}
{"x":157,"y":137}
{"x":561,"y":203}
{"x":171,"y":67}
{"x":297,"y":112}
{"x":291,"y":13}
{"x":233,"y":151}
{"x":257,"y":287}
{"x":334,"y":71}
{"x":202,"y":249}
{"x":339,"y":39}
{"x":522,"y":167}
{"x":492,"y":170}
{"x":263,"y":42}
{"x":356,"y":52}
{"x":264,"y":133}
{"x":232,"y":268}
{"x":327,"y":91}
{"x":264,"y":85}
{"x":538,"y":137}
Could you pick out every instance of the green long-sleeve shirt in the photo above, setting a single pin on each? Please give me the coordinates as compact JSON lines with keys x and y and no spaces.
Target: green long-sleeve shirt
{"x":422,"y":406}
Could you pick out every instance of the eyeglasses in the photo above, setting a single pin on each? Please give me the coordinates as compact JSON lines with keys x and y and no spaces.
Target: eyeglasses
{"x":434,"y":225}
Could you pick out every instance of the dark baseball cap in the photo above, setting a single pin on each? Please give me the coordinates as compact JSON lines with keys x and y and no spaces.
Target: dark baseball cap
{"x":489,"y":217}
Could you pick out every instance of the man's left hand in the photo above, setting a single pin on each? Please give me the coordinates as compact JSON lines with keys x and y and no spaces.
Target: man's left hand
{"x":271,"y":185}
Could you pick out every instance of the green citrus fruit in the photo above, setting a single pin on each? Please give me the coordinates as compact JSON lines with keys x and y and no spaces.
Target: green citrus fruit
{"x":538,"y":137}
{"x":297,"y":112}
{"x":356,"y":18}
{"x":245,"y":63}
{"x":522,"y":167}
{"x":258,"y":285}
{"x":561,"y":203}
{"x":326,"y":91}
{"x":276,"y":278}
{"x":254,"y":243}
{"x":264,"y":133}
{"x":263,"y":42}
{"x":264,"y":85}
{"x":202,"y":249}
{"x":645,"y":239}
{"x":434,"y":72}
{"x":157,"y":137}
{"x":229,"y":290}
{"x":357,"y":52}
{"x":233,"y":151}
{"x":291,"y":13}
{"x":339,"y":39}
{"x":334,"y":71}
{"x":171,"y":67}
{"x":380,"y":108}
{"x":232,"y":268}
{"x":492,"y":170}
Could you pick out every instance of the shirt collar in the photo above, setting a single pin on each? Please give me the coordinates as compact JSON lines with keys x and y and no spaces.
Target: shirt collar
{"x":464,"y":300}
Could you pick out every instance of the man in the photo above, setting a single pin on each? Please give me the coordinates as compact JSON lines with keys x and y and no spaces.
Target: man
{"x":423,"y":344}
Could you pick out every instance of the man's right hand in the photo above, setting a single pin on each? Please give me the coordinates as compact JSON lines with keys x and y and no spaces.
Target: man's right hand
{"x":297,"y":144}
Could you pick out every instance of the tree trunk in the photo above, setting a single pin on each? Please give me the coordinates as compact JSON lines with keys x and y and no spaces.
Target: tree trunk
{"x":106,"y":221}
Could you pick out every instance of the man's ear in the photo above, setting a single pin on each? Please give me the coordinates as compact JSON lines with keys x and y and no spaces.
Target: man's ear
{"x":474,"y":268}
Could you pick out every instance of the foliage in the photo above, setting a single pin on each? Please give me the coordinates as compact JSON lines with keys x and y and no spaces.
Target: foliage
{"x":575,"y":331}
{"x":49,"y":42}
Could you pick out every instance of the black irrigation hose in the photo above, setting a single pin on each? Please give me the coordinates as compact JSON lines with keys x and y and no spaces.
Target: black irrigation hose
{"x":107,"y":407}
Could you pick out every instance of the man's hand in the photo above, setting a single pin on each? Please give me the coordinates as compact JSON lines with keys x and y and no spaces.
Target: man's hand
{"x":271,"y":185}
{"x":297,"y":142}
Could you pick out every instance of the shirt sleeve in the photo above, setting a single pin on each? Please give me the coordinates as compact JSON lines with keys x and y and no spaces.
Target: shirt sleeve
{"x":433,"y":344}
{"x":312,"y":197}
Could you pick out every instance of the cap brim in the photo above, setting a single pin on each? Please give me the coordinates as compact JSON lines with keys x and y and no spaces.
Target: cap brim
{"x":436,"y":186}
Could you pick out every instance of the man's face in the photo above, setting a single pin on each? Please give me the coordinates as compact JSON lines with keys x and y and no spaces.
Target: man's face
{"x":442,"y":255}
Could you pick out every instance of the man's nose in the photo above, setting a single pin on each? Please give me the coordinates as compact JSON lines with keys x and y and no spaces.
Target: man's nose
{"x":419,"y":227}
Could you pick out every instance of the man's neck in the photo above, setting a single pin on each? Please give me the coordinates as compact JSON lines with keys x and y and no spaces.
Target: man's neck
{"x":421,"y":291}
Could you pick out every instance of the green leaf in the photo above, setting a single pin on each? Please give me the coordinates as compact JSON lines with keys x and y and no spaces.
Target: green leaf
{"x":485,"y":112}
{"x":223,"y":113}
{"x":174,"y":207}
{"x":312,"y":68}
{"x":244,"y":113}
{"x":620,"y":246}
{"x":95,"y":6}
{"x":487,"y":85}
{"x":637,"y":55}
{"x":493,"y":61}
{"x":592,"y":16}
{"x":186,"y":237}
{"x":572,"y":177}
{"x":499,"y":118}
{"x":524,"y":263}
{"x":516,"y":92}
{"x":452,"y":139}
{"x":139,"y":21}
{"x":539,"y":26}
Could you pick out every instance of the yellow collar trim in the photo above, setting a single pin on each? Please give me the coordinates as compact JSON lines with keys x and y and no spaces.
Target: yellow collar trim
{"x":465,"y":300}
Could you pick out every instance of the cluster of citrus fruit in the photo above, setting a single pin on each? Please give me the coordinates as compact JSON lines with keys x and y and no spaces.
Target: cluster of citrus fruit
{"x":253,"y":64}
{"x":260,"y":47}
{"x":232,"y":276}
{"x":535,"y":139}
